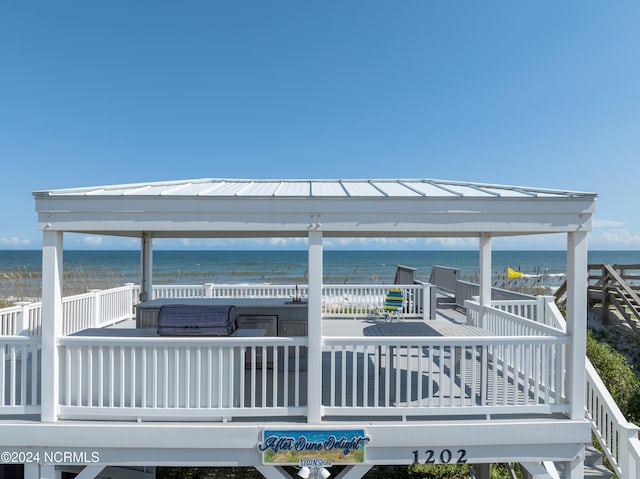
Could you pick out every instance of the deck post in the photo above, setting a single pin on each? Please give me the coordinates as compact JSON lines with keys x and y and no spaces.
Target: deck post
{"x":574,"y":469}
{"x":576,"y":321}
{"x":97,"y":319}
{"x":146,"y":267}
{"x":31,"y":470}
{"x":51,"y":321}
{"x":50,"y":471}
{"x":314,"y":331}
{"x":485,"y":275}
{"x":22,"y":326}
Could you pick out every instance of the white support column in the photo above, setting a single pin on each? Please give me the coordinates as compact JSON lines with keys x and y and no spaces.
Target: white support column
{"x":49,"y":471}
{"x":146,"y":267}
{"x":51,"y":322}
{"x":485,"y":274}
{"x":31,"y":470}
{"x":314,"y":330}
{"x":574,"y":469}
{"x":577,"y":270}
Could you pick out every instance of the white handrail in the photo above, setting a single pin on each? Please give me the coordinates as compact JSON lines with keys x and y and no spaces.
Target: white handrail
{"x":364,"y":300}
{"x":162,"y":378}
{"x":617,"y":436}
{"x":94,"y":309}
{"x":9,"y":319}
{"x":99,"y":308}
{"x":411,"y":376}
{"x":19,"y":375}
{"x":503,"y":323}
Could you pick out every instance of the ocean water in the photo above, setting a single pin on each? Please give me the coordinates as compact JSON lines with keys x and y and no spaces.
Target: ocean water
{"x":279,"y":267}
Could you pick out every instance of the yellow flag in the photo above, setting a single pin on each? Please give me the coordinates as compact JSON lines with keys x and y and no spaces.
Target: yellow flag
{"x":513,"y":274}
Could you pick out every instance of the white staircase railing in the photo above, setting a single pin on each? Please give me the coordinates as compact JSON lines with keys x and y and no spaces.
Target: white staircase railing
{"x":617,"y":437}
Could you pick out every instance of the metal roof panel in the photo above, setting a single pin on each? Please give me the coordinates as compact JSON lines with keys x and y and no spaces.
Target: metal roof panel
{"x":361,"y":188}
{"x":428,"y":189}
{"x":259,"y":188}
{"x":294,"y":188}
{"x":327,"y":188}
{"x":394,"y":188}
{"x":319,"y":188}
{"x":461,"y":189}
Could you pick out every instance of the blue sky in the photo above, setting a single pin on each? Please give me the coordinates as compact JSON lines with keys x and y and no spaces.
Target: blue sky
{"x":543,"y":94}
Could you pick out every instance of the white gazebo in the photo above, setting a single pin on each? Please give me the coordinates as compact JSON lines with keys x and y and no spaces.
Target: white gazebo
{"x":319,"y":209}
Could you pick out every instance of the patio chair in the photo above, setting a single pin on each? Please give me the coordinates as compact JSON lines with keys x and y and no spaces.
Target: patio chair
{"x":393,"y":305}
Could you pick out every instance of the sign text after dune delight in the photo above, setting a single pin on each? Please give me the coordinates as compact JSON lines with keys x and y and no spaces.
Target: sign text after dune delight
{"x":326,"y":447}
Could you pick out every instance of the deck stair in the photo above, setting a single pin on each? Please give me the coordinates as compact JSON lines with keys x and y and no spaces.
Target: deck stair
{"x":616,"y":286}
{"x":593,"y":466}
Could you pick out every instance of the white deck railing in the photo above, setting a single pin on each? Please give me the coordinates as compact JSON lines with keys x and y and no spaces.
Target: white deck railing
{"x":338,"y":301}
{"x":169,"y":378}
{"x":95,"y":309}
{"x":99,"y":308}
{"x":503,"y":323}
{"x":21,"y":319}
{"x":542,"y":310}
{"x":617,"y":436}
{"x":99,"y":388}
{"x":20,"y":375}
{"x":361,"y":301}
{"x":435,"y":376}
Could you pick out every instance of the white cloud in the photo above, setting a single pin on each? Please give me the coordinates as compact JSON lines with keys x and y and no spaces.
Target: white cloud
{"x":621,"y":238}
{"x":14,"y":241}
{"x":286,"y":242}
{"x":456,"y":243}
{"x":131,"y":242}
{"x":597,"y":223}
{"x":370,"y":243}
{"x":93,"y":240}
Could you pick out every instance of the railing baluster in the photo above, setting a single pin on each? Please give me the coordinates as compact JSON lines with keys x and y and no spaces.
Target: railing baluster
{"x":297,"y":375}
{"x":365,"y":376}
{"x":274,"y":386}
{"x":285,"y":368}
{"x":343,"y":374}
{"x":143,"y":377}
{"x":354,"y":375}
{"x":463,"y":375}
{"x":12,"y":375}
{"x":24,"y":358}
{"x":210,"y":376}
{"x":90,"y":351}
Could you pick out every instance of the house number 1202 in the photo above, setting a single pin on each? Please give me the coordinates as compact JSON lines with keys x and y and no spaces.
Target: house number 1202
{"x":445,"y":456}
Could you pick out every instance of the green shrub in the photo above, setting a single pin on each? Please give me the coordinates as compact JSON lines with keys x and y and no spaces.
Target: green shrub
{"x":617,"y":375}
